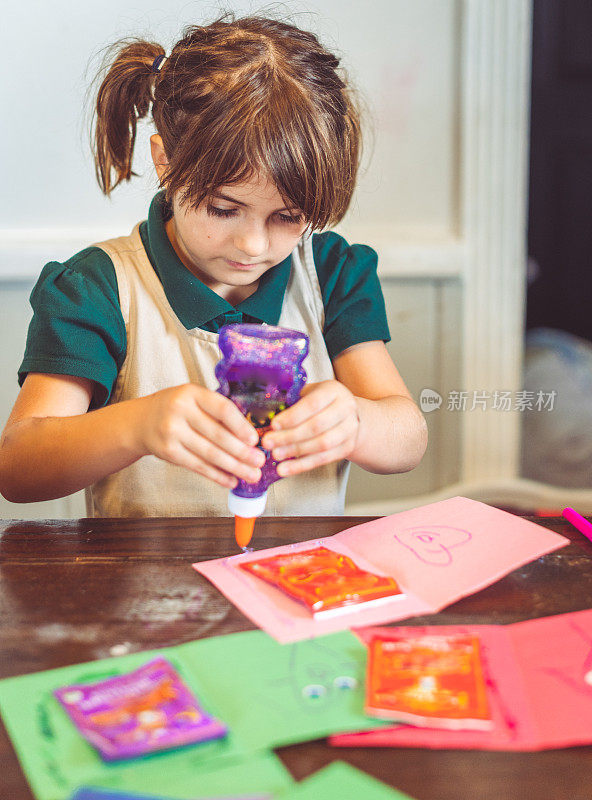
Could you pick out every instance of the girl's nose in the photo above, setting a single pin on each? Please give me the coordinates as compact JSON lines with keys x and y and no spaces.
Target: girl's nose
{"x":252,"y":240}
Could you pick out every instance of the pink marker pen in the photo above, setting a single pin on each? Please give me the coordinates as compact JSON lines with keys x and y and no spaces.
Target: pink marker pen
{"x":578,"y":521}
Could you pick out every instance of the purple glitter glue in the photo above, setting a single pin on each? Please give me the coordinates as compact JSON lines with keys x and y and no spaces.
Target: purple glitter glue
{"x":261,"y":372}
{"x":140,"y":712}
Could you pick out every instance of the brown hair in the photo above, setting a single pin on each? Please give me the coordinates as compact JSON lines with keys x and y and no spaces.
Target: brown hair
{"x":235,"y":98}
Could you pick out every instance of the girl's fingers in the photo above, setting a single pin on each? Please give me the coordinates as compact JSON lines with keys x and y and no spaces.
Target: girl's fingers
{"x":298,"y":465}
{"x":312,"y":427}
{"x":328,"y":439}
{"x":185,"y":458}
{"x":224,"y":410}
{"x":209,"y":452}
{"x":216,"y":433}
{"x":319,"y":396}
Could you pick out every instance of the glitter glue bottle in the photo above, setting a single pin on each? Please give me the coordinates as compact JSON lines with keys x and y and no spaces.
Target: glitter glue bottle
{"x":261,"y":372}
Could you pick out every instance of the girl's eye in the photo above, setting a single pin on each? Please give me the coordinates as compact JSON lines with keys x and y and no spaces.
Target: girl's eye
{"x":230,"y":212}
{"x":295,"y":220}
{"x":221,"y":212}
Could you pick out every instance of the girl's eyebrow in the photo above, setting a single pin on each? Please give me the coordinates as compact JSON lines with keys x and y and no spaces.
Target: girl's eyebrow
{"x":240,"y":203}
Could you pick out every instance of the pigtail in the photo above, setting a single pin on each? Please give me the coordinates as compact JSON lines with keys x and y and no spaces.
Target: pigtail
{"x":124,"y":96}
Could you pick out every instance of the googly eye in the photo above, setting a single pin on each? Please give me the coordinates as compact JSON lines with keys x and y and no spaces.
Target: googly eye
{"x":345,"y":682}
{"x":314,"y":691}
{"x":73,"y":696}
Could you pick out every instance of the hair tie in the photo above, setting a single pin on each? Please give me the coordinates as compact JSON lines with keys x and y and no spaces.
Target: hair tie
{"x":156,"y":64}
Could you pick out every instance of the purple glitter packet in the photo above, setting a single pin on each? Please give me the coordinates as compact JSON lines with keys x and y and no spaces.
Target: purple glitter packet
{"x":143,"y":711}
{"x":261,"y":372}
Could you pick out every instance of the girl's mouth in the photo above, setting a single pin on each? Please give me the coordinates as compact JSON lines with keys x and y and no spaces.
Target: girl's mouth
{"x":238,"y":265}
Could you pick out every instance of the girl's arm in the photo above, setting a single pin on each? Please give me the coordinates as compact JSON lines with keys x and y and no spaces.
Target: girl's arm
{"x":367,"y":416}
{"x":393,"y":433}
{"x":51,"y":446}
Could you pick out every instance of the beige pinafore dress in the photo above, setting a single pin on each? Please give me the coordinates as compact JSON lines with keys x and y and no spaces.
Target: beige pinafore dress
{"x":162,"y":353}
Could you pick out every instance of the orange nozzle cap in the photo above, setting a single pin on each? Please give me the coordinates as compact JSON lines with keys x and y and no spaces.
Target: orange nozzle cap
{"x":243,"y":530}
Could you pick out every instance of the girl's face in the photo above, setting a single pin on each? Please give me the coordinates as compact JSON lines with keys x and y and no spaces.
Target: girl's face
{"x":245,"y":231}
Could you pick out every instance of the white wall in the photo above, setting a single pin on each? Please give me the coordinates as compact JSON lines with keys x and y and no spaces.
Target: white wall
{"x":401,"y":54}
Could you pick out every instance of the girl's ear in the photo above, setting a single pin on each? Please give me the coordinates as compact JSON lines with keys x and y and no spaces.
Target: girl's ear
{"x":158,"y":155}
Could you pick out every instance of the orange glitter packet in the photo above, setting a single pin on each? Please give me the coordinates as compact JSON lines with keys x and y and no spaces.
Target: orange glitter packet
{"x":322,"y":579}
{"x":432,"y":680}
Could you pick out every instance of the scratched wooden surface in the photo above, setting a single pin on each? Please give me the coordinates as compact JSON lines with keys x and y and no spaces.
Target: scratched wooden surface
{"x":78,"y":590}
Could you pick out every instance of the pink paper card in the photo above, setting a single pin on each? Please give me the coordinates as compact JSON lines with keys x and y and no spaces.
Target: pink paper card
{"x":436,"y":553}
{"x":539,"y":679}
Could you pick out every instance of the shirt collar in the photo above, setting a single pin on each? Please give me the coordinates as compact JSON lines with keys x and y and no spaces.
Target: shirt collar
{"x":192,"y":301}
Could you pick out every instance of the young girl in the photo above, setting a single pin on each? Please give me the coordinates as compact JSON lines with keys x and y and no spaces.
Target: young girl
{"x":257,"y":146}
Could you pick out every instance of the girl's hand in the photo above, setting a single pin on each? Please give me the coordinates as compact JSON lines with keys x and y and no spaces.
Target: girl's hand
{"x":320,"y":428}
{"x":201,"y":430}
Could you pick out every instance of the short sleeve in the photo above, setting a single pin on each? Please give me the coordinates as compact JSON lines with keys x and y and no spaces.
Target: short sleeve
{"x":354,"y":304}
{"x":77,"y":326}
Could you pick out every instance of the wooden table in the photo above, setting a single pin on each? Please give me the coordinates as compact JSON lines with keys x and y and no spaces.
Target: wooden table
{"x":79,"y":590}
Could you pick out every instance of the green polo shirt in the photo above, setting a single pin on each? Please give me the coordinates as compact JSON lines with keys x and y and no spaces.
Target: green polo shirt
{"x":77,"y":327}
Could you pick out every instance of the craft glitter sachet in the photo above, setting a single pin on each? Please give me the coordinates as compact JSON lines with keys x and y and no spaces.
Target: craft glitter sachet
{"x":325,"y":581}
{"x":432,"y":680}
{"x":140,"y":712}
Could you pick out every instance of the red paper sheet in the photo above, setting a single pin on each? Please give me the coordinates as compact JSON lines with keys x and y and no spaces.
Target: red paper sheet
{"x":539,"y":679}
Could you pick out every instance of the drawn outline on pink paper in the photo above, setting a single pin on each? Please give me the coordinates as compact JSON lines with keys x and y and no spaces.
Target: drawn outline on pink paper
{"x":432,"y":543}
{"x":573,"y":681}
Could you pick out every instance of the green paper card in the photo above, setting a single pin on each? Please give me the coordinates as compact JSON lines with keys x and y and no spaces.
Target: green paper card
{"x":272,"y":695}
{"x":57,"y":760}
{"x":261,"y":774}
{"x":266,"y":693}
{"x":341,"y":781}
